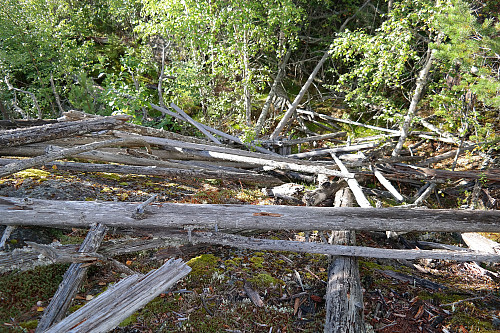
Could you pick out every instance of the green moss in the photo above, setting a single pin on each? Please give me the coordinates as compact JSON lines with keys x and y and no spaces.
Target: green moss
{"x":32,"y":173}
{"x":257,"y":261}
{"x":75,"y":307}
{"x":264,"y":280}
{"x":24,"y":289}
{"x":29,"y":325}
{"x":473,"y":324}
{"x":203,"y":265}
{"x":130,"y":320}
{"x":110,"y":175}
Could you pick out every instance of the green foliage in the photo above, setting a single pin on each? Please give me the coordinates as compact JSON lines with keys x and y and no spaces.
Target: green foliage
{"x":212,"y":47}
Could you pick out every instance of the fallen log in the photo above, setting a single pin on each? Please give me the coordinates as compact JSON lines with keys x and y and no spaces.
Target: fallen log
{"x":485,"y":175}
{"x":60,"y":303}
{"x":236,"y":155}
{"x":328,"y":151}
{"x":344,"y":296}
{"x":54,"y":155}
{"x":24,"y":136}
{"x":64,"y":214}
{"x":246,"y":177}
{"x":121,"y":300}
{"x":16,"y":123}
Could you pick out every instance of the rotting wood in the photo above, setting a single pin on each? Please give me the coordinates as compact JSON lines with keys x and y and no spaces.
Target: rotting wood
{"x":328,"y":151}
{"x":6,"y":234}
{"x":350,"y":122}
{"x":121,"y":300}
{"x":27,"y":258}
{"x":444,"y":156}
{"x":480,"y":243}
{"x":54,"y":155}
{"x":353,"y":185}
{"x":185,"y":117}
{"x":19,"y":123}
{"x":344,"y":297}
{"x":316,"y":138}
{"x":246,"y":177}
{"x":236,"y":155}
{"x":49,"y":213}
{"x":419,"y":88}
{"x":23,"y":136}
{"x":60,"y":303}
{"x":485,"y":175}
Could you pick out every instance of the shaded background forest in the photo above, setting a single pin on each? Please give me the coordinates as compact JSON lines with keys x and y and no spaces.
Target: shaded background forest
{"x":217,"y":60}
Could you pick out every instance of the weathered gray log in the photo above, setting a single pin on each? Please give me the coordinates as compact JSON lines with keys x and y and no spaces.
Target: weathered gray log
{"x":246,"y":177}
{"x":60,"y":303}
{"x":121,"y":300}
{"x":64,"y":214}
{"x":350,"y":122}
{"x":228,"y":136}
{"x":6,"y":234}
{"x":387,"y":184}
{"x":326,"y":152}
{"x":444,"y":156}
{"x":428,"y":173}
{"x":344,"y":297}
{"x":58,"y":130}
{"x":324,"y":191}
{"x":419,"y":88}
{"x":28,"y":258}
{"x":17,"y":123}
{"x":183,"y":116}
{"x":480,"y":243}
{"x":236,"y":155}
{"x":425,"y":194}
{"x":316,"y":138}
{"x":353,"y":185}
{"x":54,"y":155}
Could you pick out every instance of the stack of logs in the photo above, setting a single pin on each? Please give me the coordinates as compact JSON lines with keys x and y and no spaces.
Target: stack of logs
{"x":121,"y":147}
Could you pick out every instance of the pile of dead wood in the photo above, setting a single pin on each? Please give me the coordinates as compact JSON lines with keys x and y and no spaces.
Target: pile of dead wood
{"x":120,"y":147}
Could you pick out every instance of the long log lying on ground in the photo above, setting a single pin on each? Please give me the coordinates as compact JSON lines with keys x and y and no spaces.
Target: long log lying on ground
{"x":58,"y":130}
{"x":486,"y":175}
{"x":49,"y":213}
{"x":54,"y":155}
{"x":328,"y":151}
{"x":121,"y":300}
{"x":236,"y":155}
{"x":29,"y":258}
{"x":245,"y":177}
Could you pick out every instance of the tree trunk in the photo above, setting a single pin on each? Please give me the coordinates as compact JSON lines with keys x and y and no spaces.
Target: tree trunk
{"x":421,"y":81}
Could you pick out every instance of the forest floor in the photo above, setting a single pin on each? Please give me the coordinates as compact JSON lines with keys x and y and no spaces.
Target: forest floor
{"x":450,"y":297}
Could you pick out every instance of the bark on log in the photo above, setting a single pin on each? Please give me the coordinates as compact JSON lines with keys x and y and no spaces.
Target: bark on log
{"x":16,"y":123}
{"x":344,"y":297}
{"x":121,"y":300}
{"x":59,"y":130}
{"x":64,"y":214}
{"x":56,"y":310}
